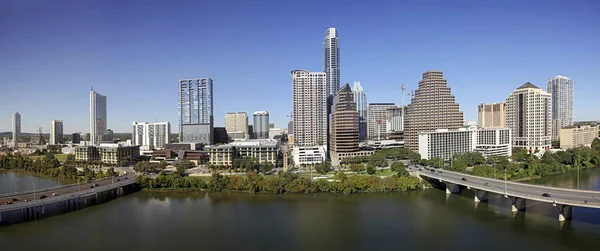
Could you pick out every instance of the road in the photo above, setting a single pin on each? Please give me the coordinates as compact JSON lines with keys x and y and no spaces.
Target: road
{"x":29,"y":195}
{"x":583,"y":198}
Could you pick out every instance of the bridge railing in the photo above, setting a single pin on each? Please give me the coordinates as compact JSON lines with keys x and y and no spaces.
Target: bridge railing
{"x":55,"y":199}
{"x":53,"y":188}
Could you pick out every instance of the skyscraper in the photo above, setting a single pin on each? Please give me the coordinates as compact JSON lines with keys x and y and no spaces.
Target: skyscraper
{"x":261,"y":124}
{"x":151,"y":135}
{"x":236,"y":124}
{"x":331,"y":60}
{"x":561,"y":89}
{"x":344,"y":123}
{"x":360,"y":98}
{"x":309,"y":92}
{"x":377,"y":120}
{"x":16,"y":126}
{"x":491,"y":115}
{"x":432,"y":107}
{"x":529,"y":115}
{"x":97,"y":117}
{"x":56,"y":132}
{"x":196,"y":121}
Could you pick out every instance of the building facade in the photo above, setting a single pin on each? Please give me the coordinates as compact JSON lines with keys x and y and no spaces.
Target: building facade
{"x":331,"y":60}
{"x":196,"y":115}
{"x":56,"y":132}
{"x":360,"y":98}
{"x":491,"y":115}
{"x":377,"y":120}
{"x":529,"y":116}
{"x":236,"y":124}
{"x":432,"y":107}
{"x":309,"y":94}
{"x":577,"y":136}
{"x":394,"y":120}
{"x":444,"y":143}
{"x":308,"y":155}
{"x":108,"y":154}
{"x":262,"y":150}
{"x":494,"y":141}
{"x":261,"y":124}
{"x":561,"y":89}
{"x":151,"y":135}
{"x":16,"y":128}
{"x":98,"y":117}
{"x":75,"y":138}
{"x":344,"y":124}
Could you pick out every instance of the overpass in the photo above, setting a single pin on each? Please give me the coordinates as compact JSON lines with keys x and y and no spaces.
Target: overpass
{"x":562,"y":199}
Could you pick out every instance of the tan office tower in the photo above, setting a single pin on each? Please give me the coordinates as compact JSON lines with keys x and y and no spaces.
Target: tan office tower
{"x":309,"y":95}
{"x":236,"y":124}
{"x":492,"y":115}
{"x":344,"y":123}
{"x":432,"y":107}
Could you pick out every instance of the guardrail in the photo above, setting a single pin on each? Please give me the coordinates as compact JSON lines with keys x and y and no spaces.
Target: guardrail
{"x":54,"y":188}
{"x":595,"y":203}
{"x":55,"y":199}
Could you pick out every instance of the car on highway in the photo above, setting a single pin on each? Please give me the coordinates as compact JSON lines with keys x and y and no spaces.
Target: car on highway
{"x":96,"y":184}
{"x":8,"y":202}
{"x":486,"y":184}
{"x":440,"y":171}
{"x":43,"y":197}
{"x":547,"y":195}
{"x":118,"y":180}
{"x":125,"y":177}
{"x":433,"y":171}
{"x":464,"y":179}
{"x":15,"y":199}
{"x":54,"y":194}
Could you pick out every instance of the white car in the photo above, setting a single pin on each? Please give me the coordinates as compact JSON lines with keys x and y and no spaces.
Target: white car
{"x":55,"y":194}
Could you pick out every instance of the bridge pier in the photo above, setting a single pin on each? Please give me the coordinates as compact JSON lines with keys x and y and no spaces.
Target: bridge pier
{"x":517,"y":204}
{"x":452,"y":188}
{"x":565,"y":212}
{"x":480,"y":195}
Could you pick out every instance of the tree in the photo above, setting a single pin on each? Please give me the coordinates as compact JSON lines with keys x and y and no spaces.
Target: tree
{"x":265,"y":167}
{"x":357,"y":167}
{"x":370,"y":169}
{"x":596,"y":144}
{"x":399,"y":168}
{"x":323,"y":167}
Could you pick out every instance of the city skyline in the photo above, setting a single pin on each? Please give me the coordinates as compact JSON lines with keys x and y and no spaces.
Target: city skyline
{"x":475,"y":59}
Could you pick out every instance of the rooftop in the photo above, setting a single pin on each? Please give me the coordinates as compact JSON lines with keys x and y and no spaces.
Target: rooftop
{"x":527,"y":86}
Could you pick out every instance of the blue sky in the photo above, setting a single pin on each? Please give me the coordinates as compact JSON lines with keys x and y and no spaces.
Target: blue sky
{"x":134,"y":52}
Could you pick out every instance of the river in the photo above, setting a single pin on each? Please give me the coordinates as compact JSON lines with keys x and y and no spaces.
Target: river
{"x":418,"y":220}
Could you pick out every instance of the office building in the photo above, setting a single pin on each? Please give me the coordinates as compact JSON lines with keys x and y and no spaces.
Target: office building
{"x":494,"y":141}
{"x":309,"y":108}
{"x":108,"y":154}
{"x":491,"y":115}
{"x":394,"y":120}
{"x":262,"y":150}
{"x":360,"y":98}
{"x":273,"y":132}
{"x":56,"y":132}
{"x":76,"y":138}
{"x":308,"y":155}
{"x":236,"y":124}
{"x":290,"y":127}
{"x":529,"y":116}
{"x":220,"y":135}
{"x":261,"y":124}
{"x":577,"y":136}
{"x":107,"y":137}
{"x":16,"y":128}
{"x":344,"y":125}
{"x":98,"y":122}
{"x":196,"y":115}
{"x":432,"y":107}
{"x":331,"y":61}
{"x":377,"y":120}
{"x":271,"y":125}
{"x":444,"y":143}
{"x":561,"y":89}
{"x":151,"y":135}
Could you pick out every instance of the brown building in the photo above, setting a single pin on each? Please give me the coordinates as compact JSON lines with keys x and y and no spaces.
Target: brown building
{"x":344,"y":124}
{"x":491,"y":115}
{"x":432,"y":107}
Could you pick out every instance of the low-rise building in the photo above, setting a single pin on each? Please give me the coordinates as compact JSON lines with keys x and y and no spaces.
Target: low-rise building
{"x":307,"y":155}
{"x":444,"y":143}
{"x":108,"y":153}
{"x":263,"y":150}
{"x":577,"y":136}
{"x":494,"y":141}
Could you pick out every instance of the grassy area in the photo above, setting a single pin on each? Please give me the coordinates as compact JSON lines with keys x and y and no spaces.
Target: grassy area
{"x":59,"y":156}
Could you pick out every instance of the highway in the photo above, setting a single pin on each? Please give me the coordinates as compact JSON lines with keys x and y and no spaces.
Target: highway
{"x":573,"y":197}
{"x":62,"y":190}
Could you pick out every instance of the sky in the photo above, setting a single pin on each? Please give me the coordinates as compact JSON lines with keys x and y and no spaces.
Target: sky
{"x":134,"y":52}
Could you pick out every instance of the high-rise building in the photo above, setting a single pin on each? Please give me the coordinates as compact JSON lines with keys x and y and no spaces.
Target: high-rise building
{"x":443,"y":143}
{"x":151,"y":135}
{"x":309,"y":108}
{"x":16,"y":128}
{"x":56,"y":132}
{"x":432,"y":107}
{"x":196,"y":120}
{"x":344,"y":123}
{"x":107,"y":137}
{"x":577,"y":136}
{"x":290,"y":127}
{"x":76,"y":138}
{"x":261,"y":124}
{"x":377,"y":120}
{"x":561,"y":89}
{"x":491,"y":115}
{"x":98,"y":117}
{"x":251,"y":134}
{"x":236,"y":124}
{"x":360,"y":98}
{"x":331,"y":61}
{"x":394,"y":120}
{"x":529,"y":115}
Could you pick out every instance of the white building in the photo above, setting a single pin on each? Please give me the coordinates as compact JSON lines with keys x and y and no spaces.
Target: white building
{"x":395,"y":119}
{"x":561,"y":89}
{"x":360,"y":97}
{"x":331,"y":61}
{"x":236,"y":124}
{"x":308,"y":155}
{"x":377,"y":114}
{"x":16,"y":127}
{"x":274,"y":132}
{"x":151,"y":135}
{"x":56,"y":132}
{"x":529,"y":116}
{"x":309,"y":108}
{"x":444,"y":143}
{"x":97,"y":117}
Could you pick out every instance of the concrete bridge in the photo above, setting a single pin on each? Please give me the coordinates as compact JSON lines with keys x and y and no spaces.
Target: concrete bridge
{"x":562,"y":199}
{"x":69,"y":198}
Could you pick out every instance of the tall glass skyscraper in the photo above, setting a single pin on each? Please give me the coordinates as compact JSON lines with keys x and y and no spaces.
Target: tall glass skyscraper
{"x":261,"y":124}
{"x":97,"y":117}
{"x":196,"y":121}
{"x":16,"y":128}
{"x":561,"y":89}
{"x":331,"y":60}
{"x":360,"y":97}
